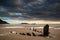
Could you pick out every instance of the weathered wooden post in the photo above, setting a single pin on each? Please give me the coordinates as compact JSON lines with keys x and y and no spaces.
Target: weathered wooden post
{"x":46,"y":30}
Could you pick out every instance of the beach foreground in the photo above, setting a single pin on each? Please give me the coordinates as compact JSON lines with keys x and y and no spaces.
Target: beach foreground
{"x":15,"y":34}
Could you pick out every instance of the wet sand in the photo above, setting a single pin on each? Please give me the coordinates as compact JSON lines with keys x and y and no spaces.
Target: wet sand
{"x":6,"y":35}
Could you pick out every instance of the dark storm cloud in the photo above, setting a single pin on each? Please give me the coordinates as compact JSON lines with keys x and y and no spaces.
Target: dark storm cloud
{"x":30,"y":9}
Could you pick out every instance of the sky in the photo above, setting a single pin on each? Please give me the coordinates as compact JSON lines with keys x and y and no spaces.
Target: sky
{"x":30,"y":11}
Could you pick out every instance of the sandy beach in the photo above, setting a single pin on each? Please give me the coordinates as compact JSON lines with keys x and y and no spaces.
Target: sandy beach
{"x":6,"y":35}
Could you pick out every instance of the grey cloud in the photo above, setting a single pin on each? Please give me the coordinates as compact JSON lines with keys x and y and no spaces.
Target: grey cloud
{"x":39,"y":9}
